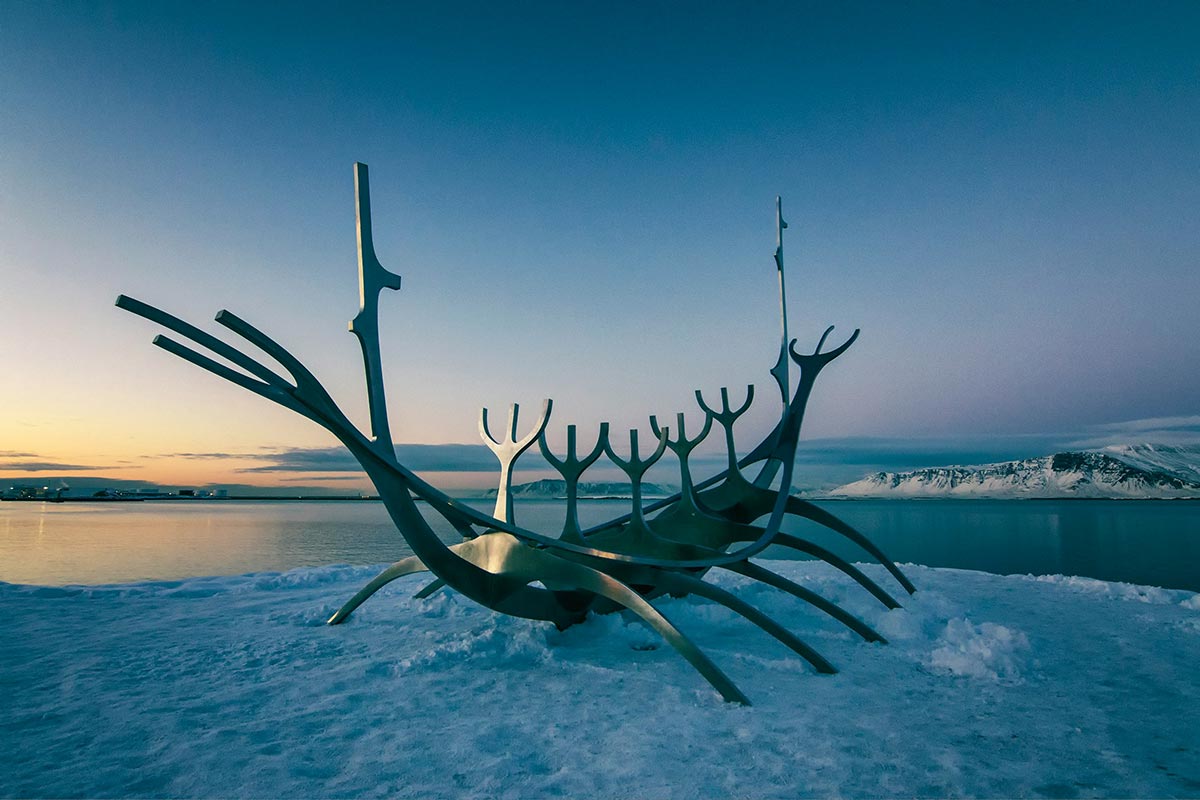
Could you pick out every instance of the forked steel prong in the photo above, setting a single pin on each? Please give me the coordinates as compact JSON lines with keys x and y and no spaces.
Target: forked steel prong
{"x":726,"y":417}
{"x":571,"y":467}
{"x":635,"y":467}
{"x":509,"y":450}
{"x":816,"y":359}
{"x":682,"y":448}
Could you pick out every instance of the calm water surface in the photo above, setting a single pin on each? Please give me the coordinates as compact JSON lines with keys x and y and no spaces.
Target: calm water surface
{"x":1152,"y":542}
{"x":1147,"y":542}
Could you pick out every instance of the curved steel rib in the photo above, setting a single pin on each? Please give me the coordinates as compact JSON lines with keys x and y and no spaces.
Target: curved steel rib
{"x":803,"y":508}
{"x":752,"y":570}
{"x":405,"y":566}
{"x":681,"y":583}
{"x":579,"y":576}
{"x":834,"y":560}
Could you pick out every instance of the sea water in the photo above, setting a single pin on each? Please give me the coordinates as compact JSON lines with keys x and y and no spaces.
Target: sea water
{"x":1145,"y":541}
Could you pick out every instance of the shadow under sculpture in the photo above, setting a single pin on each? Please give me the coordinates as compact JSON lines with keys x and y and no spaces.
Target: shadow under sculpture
{"x":721,"y":522}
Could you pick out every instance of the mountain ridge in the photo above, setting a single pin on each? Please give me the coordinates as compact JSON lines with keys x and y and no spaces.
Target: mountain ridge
{"x":1118,"y":471}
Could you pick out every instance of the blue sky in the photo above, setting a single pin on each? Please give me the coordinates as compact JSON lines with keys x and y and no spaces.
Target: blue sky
{"x":580,"y":198}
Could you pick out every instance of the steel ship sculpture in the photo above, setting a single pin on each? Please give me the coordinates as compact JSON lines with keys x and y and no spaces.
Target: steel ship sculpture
{"x":718,"y":523}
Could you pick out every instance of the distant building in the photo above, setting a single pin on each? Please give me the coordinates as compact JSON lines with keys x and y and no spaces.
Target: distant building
{"x":25,"y":492}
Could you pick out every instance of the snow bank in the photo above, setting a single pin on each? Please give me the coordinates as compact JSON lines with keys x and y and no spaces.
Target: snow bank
{"x":979,"y":651}
{"x":990,"y":686}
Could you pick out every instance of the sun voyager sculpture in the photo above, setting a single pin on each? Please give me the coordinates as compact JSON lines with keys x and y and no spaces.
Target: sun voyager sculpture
{"x":718,"y":523}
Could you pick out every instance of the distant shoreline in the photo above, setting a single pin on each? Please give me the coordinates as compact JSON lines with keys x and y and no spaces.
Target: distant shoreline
{"x":297,"y":498}
{"x":598,"y":499}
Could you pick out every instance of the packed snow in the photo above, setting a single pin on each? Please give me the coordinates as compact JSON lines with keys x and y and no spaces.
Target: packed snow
{"x":234,"y":687}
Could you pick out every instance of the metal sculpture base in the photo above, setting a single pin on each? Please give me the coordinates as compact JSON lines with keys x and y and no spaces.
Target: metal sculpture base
{"x":623,"y":564}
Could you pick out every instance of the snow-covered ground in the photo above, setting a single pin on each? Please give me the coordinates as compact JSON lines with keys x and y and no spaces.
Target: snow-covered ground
{"x":233,"y":687}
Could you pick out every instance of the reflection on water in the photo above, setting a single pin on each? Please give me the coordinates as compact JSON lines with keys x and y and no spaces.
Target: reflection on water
{"x":90,"y":543}
{"x":1143,"y":541}
{"x":1150,"y":542}
{"x":52,"y":543}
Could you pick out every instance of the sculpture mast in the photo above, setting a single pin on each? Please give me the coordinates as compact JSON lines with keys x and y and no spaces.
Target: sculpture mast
{"x":372,"y":279}
{"x":782,"y":369}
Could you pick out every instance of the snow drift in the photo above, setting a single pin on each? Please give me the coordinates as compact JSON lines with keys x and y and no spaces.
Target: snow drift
{"x":234,"y":687}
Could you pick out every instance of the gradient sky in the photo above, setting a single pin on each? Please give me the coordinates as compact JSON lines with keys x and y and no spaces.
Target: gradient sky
{"x":580,"y":198}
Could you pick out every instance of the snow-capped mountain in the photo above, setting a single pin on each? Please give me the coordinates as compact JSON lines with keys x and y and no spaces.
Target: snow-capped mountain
{"x":1128,"y":471}
{"x":1180,"y":461}
{"x":549,"y":489}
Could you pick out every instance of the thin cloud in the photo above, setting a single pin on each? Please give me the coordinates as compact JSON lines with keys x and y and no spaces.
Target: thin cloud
{"x":417,"y":457}
{"x":309,"y":478}
{"x":261,"y":453}
{"x":927,"y":451}
{"x":44,"y":466}
{"x":1177,"y":431}
{"x":1186,"y":422}
{"x":21,"y":462}
{"x":882,"y":452}
{"x":300,"y":459}
{"x":455,"y":457}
